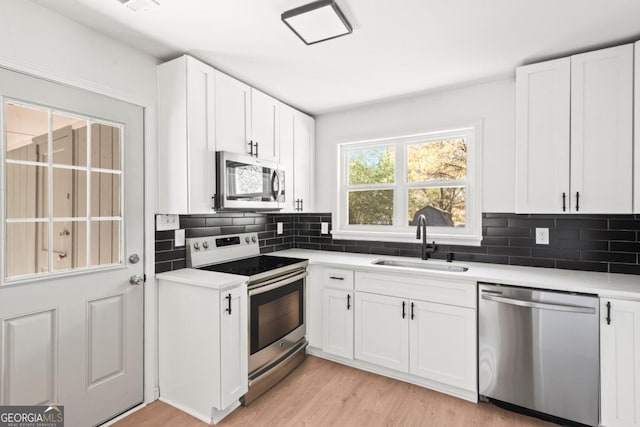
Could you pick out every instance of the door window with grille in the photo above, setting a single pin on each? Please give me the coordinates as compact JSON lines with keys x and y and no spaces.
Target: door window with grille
{"x":63,"y":199}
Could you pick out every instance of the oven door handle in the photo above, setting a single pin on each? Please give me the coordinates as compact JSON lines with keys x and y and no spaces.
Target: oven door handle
{"x":276,"y":283}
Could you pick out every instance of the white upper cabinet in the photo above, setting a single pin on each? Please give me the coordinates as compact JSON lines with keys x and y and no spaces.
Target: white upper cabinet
{"x":574,"y":130}
{"x":297,"y":148}
{"x":602,"y":130}
{"x":542,"y":135}
{"x":186,"y":144}
{"x":232,"y":114}
{"x":636,"y":186}
{"x":265,"y":124}
{"x":247,"y":120}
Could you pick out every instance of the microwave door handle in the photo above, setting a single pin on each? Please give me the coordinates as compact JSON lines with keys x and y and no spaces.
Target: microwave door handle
{"x":275,"y":190}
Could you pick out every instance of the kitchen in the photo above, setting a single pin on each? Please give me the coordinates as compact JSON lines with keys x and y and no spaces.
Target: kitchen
{"x":498,"y":111}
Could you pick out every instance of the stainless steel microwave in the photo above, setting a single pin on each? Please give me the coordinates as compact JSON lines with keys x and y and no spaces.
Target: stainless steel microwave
{"x":249,"y":183}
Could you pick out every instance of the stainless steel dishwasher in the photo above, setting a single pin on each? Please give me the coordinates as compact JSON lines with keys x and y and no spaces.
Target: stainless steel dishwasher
{"x":539,"y":350}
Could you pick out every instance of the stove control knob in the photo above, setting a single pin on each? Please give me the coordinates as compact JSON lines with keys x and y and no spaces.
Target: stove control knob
{"x":205,"y":244}
{"x":246,"y":239}
{"x":253,"y":239}
{"x":196,"y":246}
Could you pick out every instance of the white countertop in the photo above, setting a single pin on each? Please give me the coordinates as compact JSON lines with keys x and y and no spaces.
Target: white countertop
{"x":624,"y":286}
{"x":204,"y":278}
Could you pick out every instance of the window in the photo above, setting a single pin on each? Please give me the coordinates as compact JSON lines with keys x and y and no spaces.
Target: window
{"x":63,"y":199}
{"x":385,"y":185}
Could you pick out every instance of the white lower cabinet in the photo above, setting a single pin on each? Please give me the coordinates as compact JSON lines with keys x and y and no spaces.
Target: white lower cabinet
{"x":382,"y":331}
{"x":442,"y":343}
{"x":337,"y":318}
{"x":202,"y":343}
{"x":619,"y":362}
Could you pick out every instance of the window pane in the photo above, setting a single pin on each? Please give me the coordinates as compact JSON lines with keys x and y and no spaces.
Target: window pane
{"x":69,"y":140}
{"x":443,"y":207}
{"x":105,"y":146}
{"x":69,"y":193}
{"x":26,"y":253}
{"x":27,"y":133}
{"x":371,"y":166}
{"x":374,"y":207}
{"x":105,"y":242}
{"x":437,"y":161}
{"x":69,"y":245}
{"x":105,"y":194}
{"x":27,"y":191}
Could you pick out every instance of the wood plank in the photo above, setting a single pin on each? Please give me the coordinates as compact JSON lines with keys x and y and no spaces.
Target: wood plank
{"x":323,"y":393}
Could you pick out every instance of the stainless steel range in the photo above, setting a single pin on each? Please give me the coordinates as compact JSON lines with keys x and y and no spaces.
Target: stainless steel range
{"x":276,"y":289}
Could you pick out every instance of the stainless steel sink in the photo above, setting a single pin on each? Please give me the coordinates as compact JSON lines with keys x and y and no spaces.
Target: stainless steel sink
{"x":424,"y":265}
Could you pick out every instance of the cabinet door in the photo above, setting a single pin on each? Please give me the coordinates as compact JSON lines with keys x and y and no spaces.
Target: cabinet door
{"x":286,"y":155}
{"x":201,"y":141}
{"x":304,"y":155}
{"x":265,"y":123}
{"x":337,"y":322}
{"x":382,"y":331}
{"x":602,"y":130}
{"x":542,"y":136}
{"x":636,"y":149}
{"x":620,"y":363}
{"x":232,"y":114}
{"x":234,"y":348}
{"x":443,"y":343}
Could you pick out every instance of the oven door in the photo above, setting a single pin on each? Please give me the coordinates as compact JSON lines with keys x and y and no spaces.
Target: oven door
{"x":276,"y":319}
{"x":247,"y":182}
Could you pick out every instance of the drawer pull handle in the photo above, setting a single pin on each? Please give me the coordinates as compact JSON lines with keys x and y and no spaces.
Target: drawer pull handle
{"x":336,"y":278}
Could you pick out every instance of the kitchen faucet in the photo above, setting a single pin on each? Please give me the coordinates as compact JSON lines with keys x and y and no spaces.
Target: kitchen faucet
{"x":427,"y":248}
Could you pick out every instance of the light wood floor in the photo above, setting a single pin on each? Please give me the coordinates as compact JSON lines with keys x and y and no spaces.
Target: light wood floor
{"x":323,"y":393}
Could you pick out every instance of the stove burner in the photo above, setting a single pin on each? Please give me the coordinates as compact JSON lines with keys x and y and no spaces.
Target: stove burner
{"x":252,"y":266}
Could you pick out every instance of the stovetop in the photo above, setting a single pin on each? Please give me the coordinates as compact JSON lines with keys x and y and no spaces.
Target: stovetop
{"x":253,"y":266}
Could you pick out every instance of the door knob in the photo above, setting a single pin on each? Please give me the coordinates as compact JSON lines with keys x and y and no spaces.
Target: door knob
{"x":136,"y":279}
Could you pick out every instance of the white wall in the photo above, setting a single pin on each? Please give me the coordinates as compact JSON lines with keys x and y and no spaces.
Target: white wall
{"x":493,"y":103}
{"x":36,"y":39}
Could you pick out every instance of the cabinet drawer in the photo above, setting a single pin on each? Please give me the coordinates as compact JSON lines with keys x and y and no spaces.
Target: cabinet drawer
{"x":433,"y":289}
{"x":337,"y":278}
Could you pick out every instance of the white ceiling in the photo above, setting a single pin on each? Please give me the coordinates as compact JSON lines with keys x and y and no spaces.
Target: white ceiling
{"x":397,"y":48}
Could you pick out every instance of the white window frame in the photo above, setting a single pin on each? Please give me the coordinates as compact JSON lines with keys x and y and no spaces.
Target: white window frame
{"x":470,"y":235}
{"x":50,"y":219}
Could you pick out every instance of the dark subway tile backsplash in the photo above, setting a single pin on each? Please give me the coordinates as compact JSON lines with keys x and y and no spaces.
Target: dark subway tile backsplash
{"x":607,"y":243}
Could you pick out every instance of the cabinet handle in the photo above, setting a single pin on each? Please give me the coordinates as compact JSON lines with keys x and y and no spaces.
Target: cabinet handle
{"x":301,"y":205}
{"x":577,"y":201}
{"x":608,"y":312}
{"x":564,"y":202}
{"x":348,"y":301}
{"x":297,"y":204}
{"x":404,"y":314}
{"x":412,"y":311}
{"x":336,"y":278}
{"x":256,"y":149}
{"x":228,"y":309}
{"x":251,"y":148}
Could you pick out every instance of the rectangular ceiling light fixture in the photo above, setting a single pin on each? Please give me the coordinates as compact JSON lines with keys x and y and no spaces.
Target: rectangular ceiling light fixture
{"x":318,"y":21}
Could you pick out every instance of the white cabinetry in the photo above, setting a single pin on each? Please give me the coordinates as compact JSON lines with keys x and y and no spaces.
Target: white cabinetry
{"x":202,"y":340}
{"x":636,"y":161}
{"x":297,"y":148}
{"x":620,"y":362}
{"x":247,"y":120}
{"x":186,"y":147}
{"x":337,"y":321}
{"x":581,"y":105}
{"x":426,"y":329}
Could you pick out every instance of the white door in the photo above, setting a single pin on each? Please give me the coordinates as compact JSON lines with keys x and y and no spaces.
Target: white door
{"x":70,"y":321}
{"x":233,"y":348}
{"x":337,"y":321}
{"x":602,"y":130}
{"x":443,"y":343}
{"x":382,"y":331}
{"x":543,"y":137}
{"x":233,"y":114}
{"x":304,"y":170}
{"x":265,"y":124}
{"x":619,"y":362}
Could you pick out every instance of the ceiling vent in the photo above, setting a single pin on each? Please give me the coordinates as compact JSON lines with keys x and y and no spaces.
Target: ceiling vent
{"x":137,"y":5}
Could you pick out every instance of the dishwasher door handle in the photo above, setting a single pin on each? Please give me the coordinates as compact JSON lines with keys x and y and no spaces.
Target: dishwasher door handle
{"x":540,"y":305}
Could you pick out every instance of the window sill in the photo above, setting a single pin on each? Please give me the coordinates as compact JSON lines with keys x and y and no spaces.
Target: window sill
{"x":441,"y":239}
